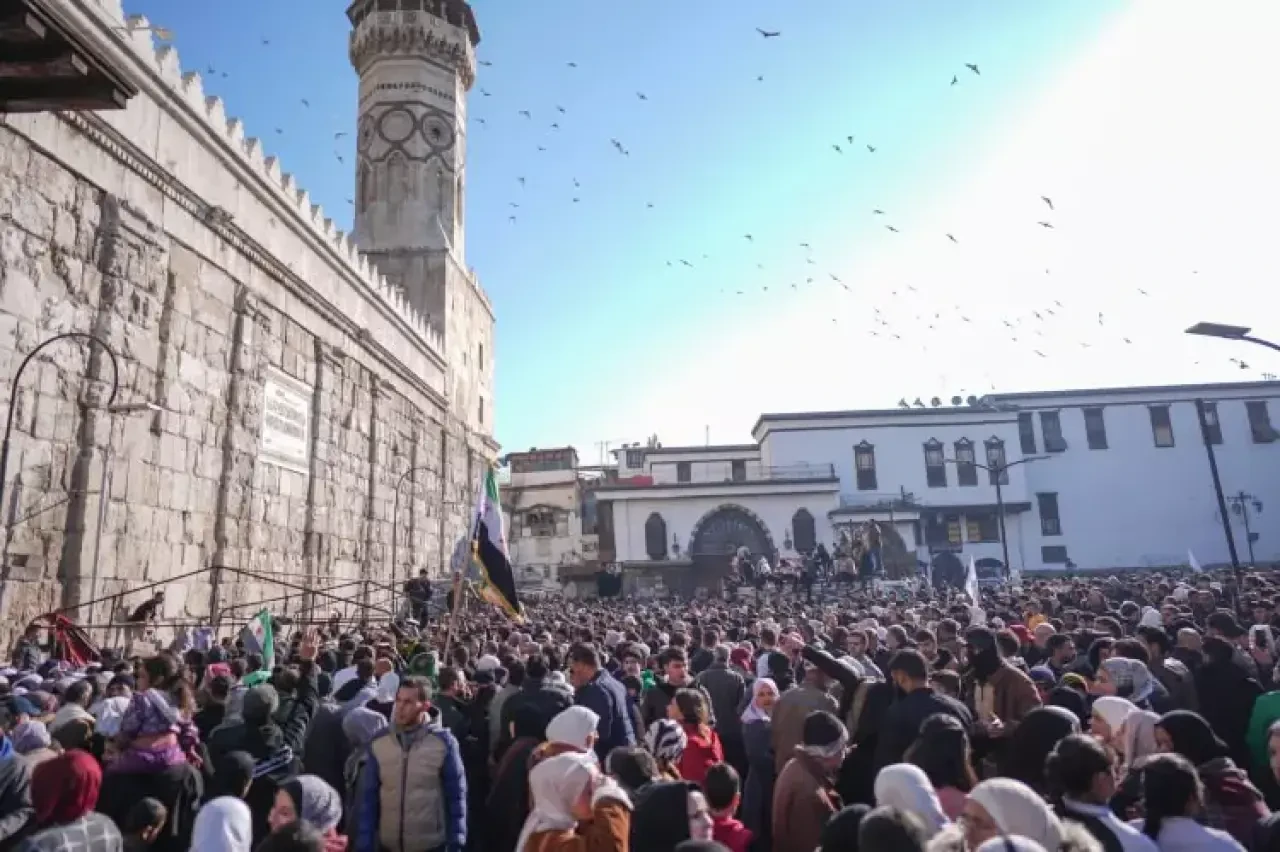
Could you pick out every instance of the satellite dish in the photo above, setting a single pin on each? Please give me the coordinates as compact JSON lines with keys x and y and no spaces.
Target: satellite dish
{"x":956,"y":400}
{"x":972,"y":400}
{"x":935,"y":402}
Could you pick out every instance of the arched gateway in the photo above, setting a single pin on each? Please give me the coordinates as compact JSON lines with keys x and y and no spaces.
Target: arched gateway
{"x":717,"y":536}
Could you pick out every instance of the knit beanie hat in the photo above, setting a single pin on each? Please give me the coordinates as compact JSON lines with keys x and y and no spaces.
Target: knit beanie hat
{"x":260,"y":703}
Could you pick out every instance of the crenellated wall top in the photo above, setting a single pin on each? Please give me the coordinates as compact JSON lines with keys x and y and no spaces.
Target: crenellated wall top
{"x":185,"y":93}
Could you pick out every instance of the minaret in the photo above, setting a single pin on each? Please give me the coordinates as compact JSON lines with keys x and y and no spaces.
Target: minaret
{"x":416,"y":61}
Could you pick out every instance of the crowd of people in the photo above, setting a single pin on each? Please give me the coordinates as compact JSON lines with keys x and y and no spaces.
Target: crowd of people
{"x":1101,"y":714}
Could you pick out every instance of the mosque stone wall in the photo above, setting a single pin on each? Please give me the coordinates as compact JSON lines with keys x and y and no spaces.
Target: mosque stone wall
{"x":295,"y":386}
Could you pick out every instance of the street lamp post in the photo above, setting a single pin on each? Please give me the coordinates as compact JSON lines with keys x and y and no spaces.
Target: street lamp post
{"x":395,"y":516}
{"x":1241,"y":504}
{"x":997,"y":472}
{"x":1229,"y":332}
{"x":17,"y":377}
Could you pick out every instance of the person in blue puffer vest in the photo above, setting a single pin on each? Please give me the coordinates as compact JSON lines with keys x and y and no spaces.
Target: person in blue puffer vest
{"x":413,"y":793}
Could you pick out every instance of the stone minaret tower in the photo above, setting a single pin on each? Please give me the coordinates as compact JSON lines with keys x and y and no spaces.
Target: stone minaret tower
{"x":416,"y":61}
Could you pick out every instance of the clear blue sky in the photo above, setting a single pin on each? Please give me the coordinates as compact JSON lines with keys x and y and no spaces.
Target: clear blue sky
{"x":590,"y":316}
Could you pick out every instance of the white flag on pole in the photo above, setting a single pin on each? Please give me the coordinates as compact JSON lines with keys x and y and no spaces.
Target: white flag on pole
{"x":1193,"y":562}
{"x":971,"y":582}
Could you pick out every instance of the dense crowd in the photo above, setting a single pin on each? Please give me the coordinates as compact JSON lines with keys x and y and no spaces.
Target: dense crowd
{"x":1116,"y":714}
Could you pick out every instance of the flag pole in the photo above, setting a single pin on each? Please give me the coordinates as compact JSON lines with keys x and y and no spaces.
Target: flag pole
{"x":459,"y":578}
{"x":453,"y":615}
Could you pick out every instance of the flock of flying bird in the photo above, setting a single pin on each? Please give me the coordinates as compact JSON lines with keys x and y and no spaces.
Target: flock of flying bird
{"x":1032,"y":327}
{"x":1028,"y":327}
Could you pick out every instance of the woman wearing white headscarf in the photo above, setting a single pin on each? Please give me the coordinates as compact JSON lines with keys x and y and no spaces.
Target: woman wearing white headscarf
{"x":223,"y":825}
{"x":1109,"y":713}
{"x":757,"y":741}
{"x":1003,"y":807}
{"x":574,"y":726}
{"x":1126,"y":678}
{"x":571,"y":731}
{"x":906,"y":787}
{"x":1137,"y":737}
{"x":575,"y":808}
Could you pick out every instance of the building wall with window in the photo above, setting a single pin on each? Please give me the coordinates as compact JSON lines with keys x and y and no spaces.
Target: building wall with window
{"x":681,"y":511}
{"x":1130,"y":480}
{"x":1117,"y":477}
{"x":544,"y":501}
{"x":877,"y":454}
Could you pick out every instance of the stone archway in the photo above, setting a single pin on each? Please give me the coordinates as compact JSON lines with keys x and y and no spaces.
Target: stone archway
{"x":719,"y":533}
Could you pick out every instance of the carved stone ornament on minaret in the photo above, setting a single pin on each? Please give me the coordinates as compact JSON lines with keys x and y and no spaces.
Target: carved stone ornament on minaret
{"x":416,"y":62}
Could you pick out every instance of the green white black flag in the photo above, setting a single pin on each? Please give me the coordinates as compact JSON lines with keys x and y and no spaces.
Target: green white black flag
{"x":259,"y":639}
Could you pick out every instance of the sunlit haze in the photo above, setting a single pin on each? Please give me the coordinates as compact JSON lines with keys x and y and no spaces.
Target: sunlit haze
{"x":642,"y":307}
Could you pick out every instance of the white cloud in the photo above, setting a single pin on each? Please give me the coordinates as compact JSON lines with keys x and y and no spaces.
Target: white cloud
{"x":1161,"y":152}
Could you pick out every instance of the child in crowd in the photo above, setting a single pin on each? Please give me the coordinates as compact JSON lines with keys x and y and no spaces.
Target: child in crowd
{"x":721,"y":788}
{"x":143,"y":825}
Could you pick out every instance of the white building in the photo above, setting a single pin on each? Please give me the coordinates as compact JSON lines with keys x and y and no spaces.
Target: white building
{"x":1092,"y":479}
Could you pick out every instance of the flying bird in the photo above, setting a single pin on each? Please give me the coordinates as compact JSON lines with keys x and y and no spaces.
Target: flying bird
{"x":1045,"y":225}
{"x":973,"y":68}
{"x":485,"y":64}
{"x":891,"y":228}
{"x":804,"y":245}
{"x":686,"y":263}
{"x":953,"y":239}
{"x":555,"y":127}
{"x":768,"y":33}
{"x":525,"y":113}
{"x":649,"y":205}
{"x":954,"y":79}
{"x":871,"y":148}
{"x":521,"y":179}
{"x":877,"y":212}
{"x":511,"y":219}
{"x":485,"y":92}
{"x":749,"y":238}
{"x":838,"y":149}
{"x":306,"y":103}
{"x":760,"y":79}
{"x":850,"y":138}
{"x":572,"y":64}
{"x":642,"y":96}
{"x":339,"y":134}
{"x":540,"y":148}
{"x":1047,"y":200}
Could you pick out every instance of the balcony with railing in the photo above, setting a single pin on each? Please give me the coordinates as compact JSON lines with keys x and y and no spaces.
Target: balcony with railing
{"x":725,"y":473}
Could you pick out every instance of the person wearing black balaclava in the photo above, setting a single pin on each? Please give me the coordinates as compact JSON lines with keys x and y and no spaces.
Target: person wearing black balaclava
{"x":1001,"y":696}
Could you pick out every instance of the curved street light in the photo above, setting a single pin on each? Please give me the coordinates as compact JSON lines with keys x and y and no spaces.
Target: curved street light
{"x":395,"y":514}
{"x":998,"y":471}
{"x":17,"y":377}
{"x":1229,"y":332}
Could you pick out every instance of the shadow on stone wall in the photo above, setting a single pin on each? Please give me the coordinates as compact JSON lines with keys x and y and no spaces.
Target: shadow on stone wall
{"x":201,"y":331}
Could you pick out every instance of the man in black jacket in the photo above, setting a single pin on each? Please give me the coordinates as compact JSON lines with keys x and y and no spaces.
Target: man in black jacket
{"x":16,"y":810}
{"x":917,"y":702}
{"x":274,"y":743}
{"x":547,"y":697}
{"x":600,"y":692}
